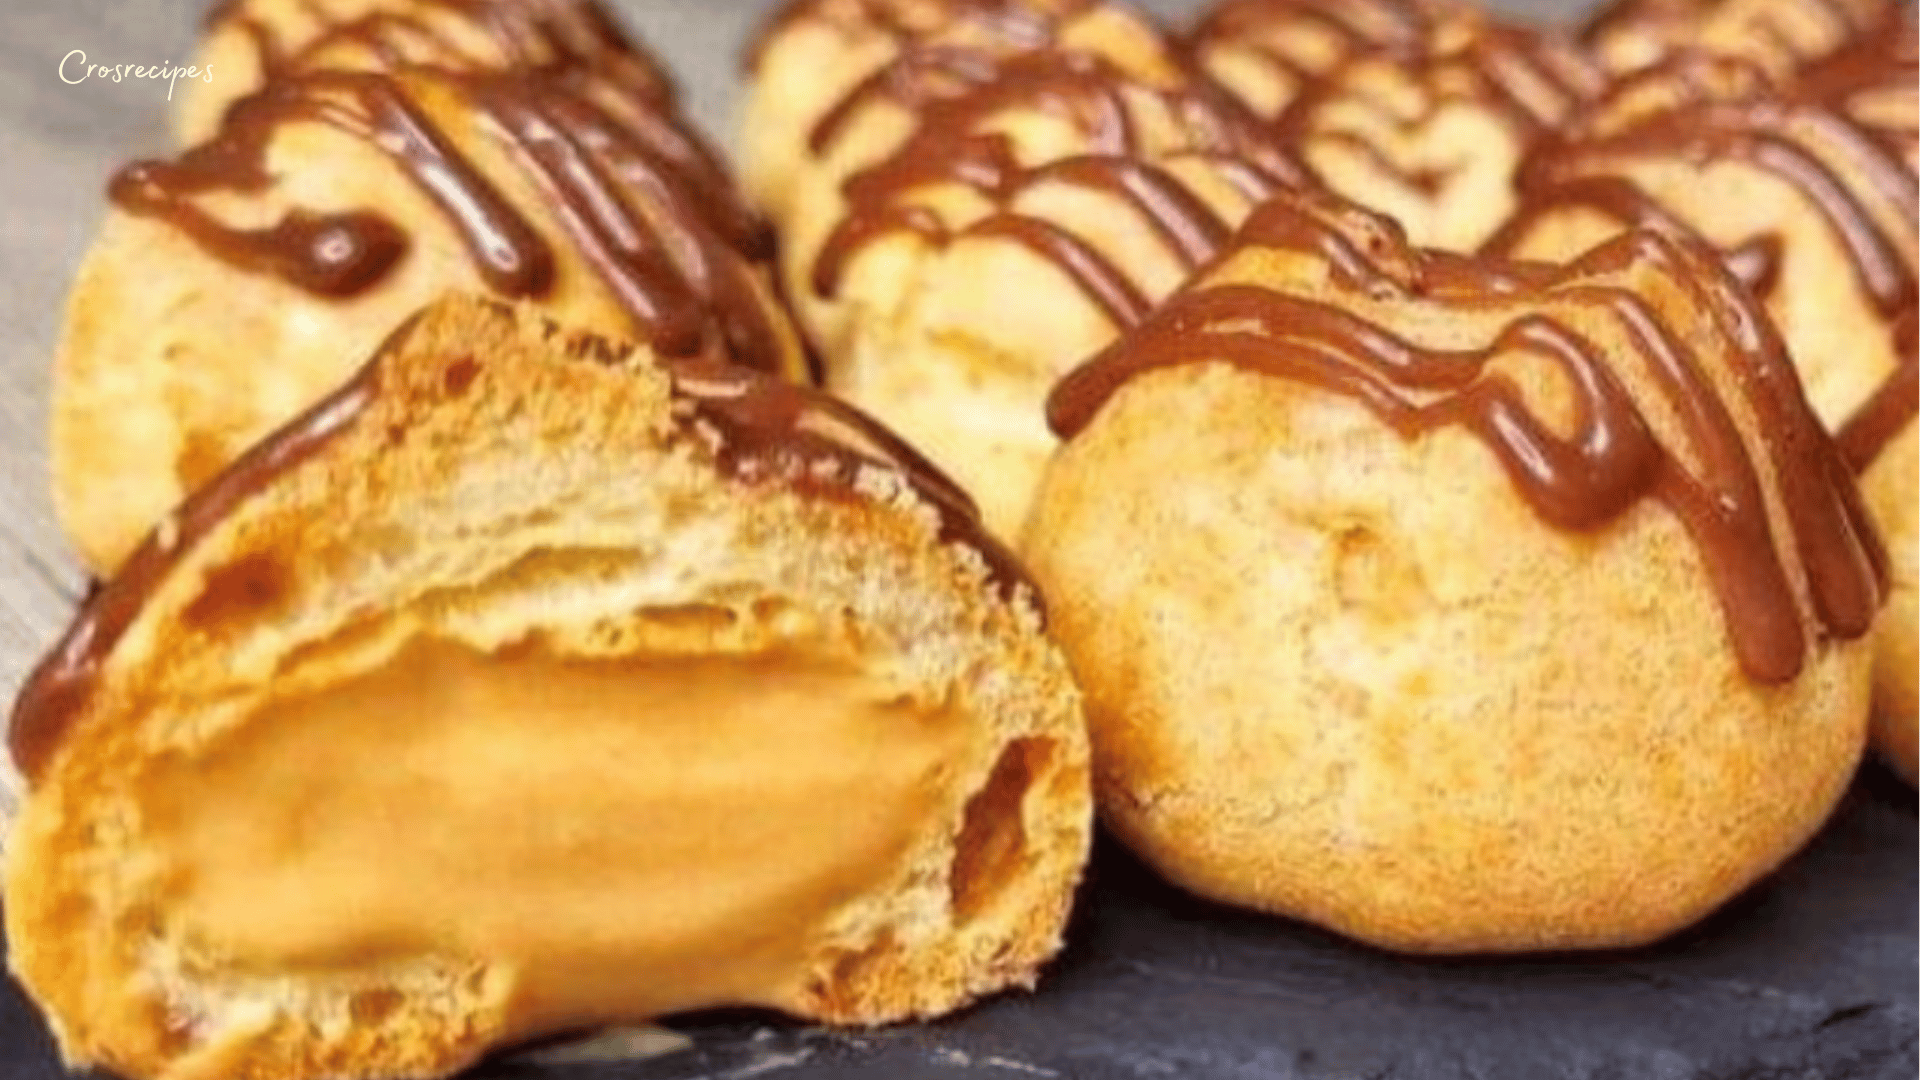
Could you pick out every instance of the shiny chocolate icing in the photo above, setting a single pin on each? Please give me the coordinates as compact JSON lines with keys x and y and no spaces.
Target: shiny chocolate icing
{"x":589,"y":121}
{"x":756,"y":429}
{"x":1529,"y":79}
{"x":1019,"y":63}
{"x":1854,"y":167}
{"x":1714,"y":483}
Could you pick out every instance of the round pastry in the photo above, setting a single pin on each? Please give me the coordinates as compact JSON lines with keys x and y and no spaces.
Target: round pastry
{"x":1419,"y":110}
{"x":250,"y":42}
{"x":1808,"y":186}
{"x":973,"y":197}
{"x":234,"y":285}
{"x":528,"y":683}
{"x":1457,"y":605}
{"x":1777,"y":35}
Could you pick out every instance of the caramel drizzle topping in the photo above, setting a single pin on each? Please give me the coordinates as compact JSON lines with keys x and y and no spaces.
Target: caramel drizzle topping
{"x":645,"y":201}
{"x":759,"y":429}
{"x":1612,"y":459}
{"x":955,"y":91}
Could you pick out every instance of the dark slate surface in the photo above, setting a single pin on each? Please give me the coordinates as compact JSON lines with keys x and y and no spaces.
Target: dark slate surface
{"x":1810,"y":976}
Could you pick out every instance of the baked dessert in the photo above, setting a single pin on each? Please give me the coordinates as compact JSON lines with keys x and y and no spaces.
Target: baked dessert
{"x":1776,"y":35}
{"x":1807,"y":185}
{"x":972,"y":197}
{"x":1419,"y":109}
{"x":1452,"y":604}
{"x":336,"y":200}
{"x":528,"y":682}
{"x":250,"y":42}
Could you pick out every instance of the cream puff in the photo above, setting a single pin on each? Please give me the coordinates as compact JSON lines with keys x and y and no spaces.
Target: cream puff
{"x":972,"y":197}
{"x":1777,"y":35}
{"x":1452,"y":604}
{"x":1807,"y":185}
{"x":235,"y":284}
{"x":528,"y":682}
{"x":248,"y":43}
{"x":1419,"y":110}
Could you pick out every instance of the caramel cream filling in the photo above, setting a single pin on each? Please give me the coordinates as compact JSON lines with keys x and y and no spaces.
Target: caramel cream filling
{"x":622,"y":839}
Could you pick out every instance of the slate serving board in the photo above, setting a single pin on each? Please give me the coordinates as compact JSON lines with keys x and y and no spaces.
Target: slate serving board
{"x":1809,"y":976}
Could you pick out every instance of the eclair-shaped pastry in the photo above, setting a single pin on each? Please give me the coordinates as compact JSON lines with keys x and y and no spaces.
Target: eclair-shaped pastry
{"x":529,"y":682}
{"x":1419,"y":110}
{"x":1458,"y":605}
{"x":974,"y":196}
{"x":1807,"y":185}
{"x":1776,"y":35}
{"x":235,"y":284}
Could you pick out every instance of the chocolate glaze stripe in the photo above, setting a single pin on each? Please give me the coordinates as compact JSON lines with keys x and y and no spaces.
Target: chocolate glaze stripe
{"x":1802,"y":145}
{"x":1357,"y":25}
{"x":596,"y":143}
{"x":1612,"y":461}
{"x":1860,"y":178}
{"x":1015,"y":24}
{"x":57,"y":688}
{"x":948,"y":146}
{"x":770,"y":432}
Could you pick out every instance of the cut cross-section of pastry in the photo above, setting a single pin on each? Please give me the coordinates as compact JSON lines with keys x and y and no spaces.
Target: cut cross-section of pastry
{"x":1458,"y":605}
{"x":1419,"y":109}
{"x":1807,"y":185}
{"x":1777,"y":35}
{"x":974,"y":196}
{"x":527,"y":683}
{"x":233,"y":285}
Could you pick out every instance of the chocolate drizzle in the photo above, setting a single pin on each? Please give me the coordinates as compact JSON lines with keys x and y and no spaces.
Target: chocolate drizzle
{"x":956,"y":91}
{"x":767,"y":428}
{"x":1780,"y":35}
{"x":1331,"y":56}
{"x":759,"y":430}
{"x":1611,"y":460}
{"x":588,"y":119}
{"x":1857,"y":173}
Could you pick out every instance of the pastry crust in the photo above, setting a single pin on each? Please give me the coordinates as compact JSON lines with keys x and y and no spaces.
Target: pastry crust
{"x":1807,"y":185}
{"x":1777,"y":35}
{"x":1418,"y":110}
{"x":973,"y":198}
{"x":249,"y":42}
{"x":231,"y":287}
{"x":495,"y":485}
{"x":1391,"y":614}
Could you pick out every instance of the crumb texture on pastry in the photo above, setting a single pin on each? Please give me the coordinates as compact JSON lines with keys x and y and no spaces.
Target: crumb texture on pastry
{"x":530,"y":682}
{"x":236,"y":283}
{"x":1488,"y":597}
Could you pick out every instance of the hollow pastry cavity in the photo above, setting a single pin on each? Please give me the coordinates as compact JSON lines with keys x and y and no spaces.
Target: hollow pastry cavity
{"x":235,"y":284}
{"x":1414,"y":109}
{"x":529,"y":683}
{"x":1807,"y":186}
{"x":973,"y":197}
{"x":1496,"y":607}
